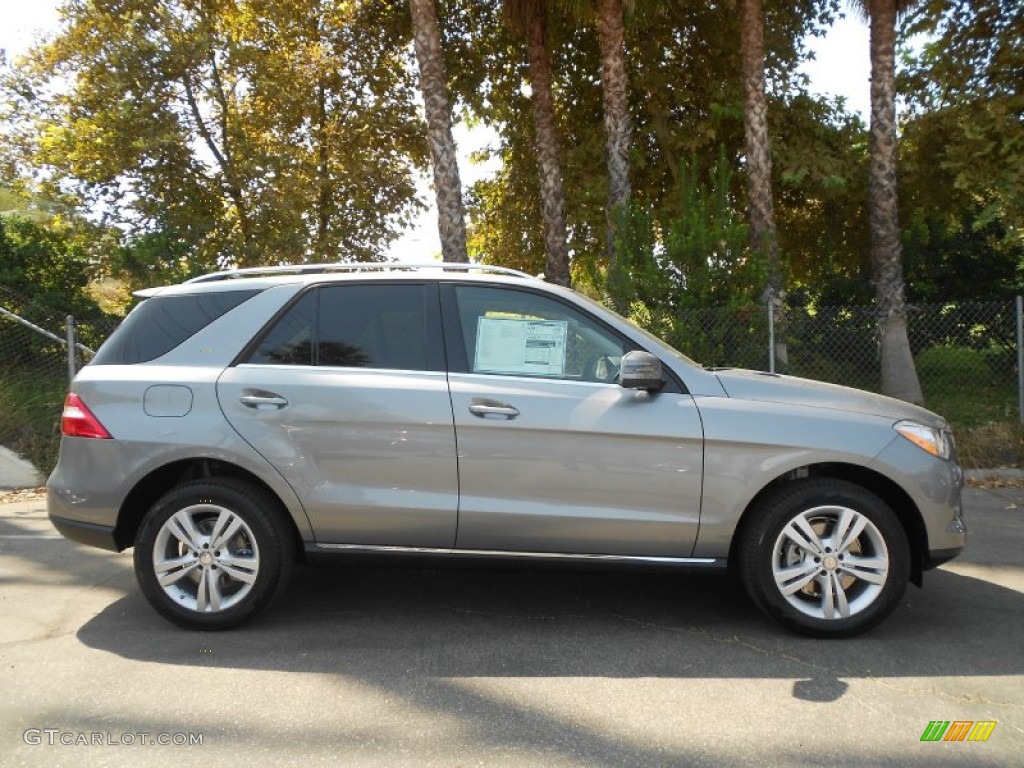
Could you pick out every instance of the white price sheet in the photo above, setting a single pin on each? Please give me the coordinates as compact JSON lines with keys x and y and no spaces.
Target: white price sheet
{"x":532,"y":347}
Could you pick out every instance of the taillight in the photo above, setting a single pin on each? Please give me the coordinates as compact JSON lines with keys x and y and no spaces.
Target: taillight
{"x":78,"y":421}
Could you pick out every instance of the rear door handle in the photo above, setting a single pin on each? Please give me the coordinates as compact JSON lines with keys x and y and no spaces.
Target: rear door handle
{"x":262,"y":400}
{"x":488,"y":408}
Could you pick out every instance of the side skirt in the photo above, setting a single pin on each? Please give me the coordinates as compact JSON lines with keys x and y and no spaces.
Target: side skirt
{"x":429,"y":557}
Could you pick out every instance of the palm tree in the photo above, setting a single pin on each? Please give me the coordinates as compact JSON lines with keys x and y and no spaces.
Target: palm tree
{"x":761,"y":210}
{"x":899,"y":376}
{"x":760,"y":203}
{"x":451,"y":220}
{"x":617,"y":124}
{"x":617,"y":131}
{"x":530,"y":17}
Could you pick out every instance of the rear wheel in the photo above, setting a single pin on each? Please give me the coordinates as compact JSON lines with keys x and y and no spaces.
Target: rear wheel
{"x":825,"y":557}
{"x":213,"y":553}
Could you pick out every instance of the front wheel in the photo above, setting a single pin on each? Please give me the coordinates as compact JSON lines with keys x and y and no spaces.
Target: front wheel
{"x":212,"y":554}
{"x":825,"y":557}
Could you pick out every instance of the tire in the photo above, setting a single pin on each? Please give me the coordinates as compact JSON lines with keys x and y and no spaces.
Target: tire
{"x":825,"y":558}
{"x":213,"y":553}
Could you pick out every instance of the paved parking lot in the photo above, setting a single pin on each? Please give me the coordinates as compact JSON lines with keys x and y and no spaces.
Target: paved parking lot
{"x":368,"y":667}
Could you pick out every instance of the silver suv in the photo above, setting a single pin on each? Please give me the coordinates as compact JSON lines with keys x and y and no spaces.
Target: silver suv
{"x":246,"y":420}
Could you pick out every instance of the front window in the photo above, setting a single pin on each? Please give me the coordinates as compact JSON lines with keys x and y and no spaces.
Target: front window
{"x":519,"y":333}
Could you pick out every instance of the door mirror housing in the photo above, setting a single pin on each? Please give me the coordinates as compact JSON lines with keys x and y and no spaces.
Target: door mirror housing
{"x":641,"y":370}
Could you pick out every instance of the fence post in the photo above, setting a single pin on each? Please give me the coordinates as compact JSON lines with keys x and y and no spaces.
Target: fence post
{"x":1020,"y":359}
{"x":70,"y":331}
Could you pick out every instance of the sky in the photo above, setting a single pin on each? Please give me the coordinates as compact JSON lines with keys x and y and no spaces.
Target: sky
{"x":841,"y":68}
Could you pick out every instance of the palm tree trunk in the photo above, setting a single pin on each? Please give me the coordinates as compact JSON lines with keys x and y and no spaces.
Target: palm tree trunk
{"x":451,"y":221}
{"x":616,"y":116}
{"x":760,"y":202}
{"x":323,"y":171}
{"x":760,"y":205}
{"x":552,"y":198}
{"x":899,"y":376}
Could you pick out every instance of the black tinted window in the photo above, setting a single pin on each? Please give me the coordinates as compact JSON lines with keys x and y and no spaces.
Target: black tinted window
{"x":161,"y":323}
{"x":373,"y":326}
{"x":351,"y":326}
{"x":290,"y":341}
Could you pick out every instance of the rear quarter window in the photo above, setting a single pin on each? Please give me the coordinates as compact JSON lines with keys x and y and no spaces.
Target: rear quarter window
{"x":161,"y":323}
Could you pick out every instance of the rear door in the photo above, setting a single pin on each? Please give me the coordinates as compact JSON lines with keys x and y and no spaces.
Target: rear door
{"x":554,"y":456}
{"x":345,"y":395}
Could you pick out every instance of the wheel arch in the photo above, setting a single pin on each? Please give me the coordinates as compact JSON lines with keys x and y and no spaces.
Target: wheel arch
{"x":162,"y":479}
{"x":886,"y":489}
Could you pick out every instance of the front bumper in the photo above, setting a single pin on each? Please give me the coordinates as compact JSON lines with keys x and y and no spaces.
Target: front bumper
{"x":937,"y":557}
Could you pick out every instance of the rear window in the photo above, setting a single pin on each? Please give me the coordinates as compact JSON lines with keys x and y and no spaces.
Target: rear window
{"x":161,"y":323}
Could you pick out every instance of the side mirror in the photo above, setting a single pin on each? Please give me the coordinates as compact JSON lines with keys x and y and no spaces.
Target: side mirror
{"x":640,"y":370}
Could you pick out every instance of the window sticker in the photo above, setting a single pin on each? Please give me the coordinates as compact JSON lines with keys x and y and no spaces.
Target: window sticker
{"x":531,"y":347}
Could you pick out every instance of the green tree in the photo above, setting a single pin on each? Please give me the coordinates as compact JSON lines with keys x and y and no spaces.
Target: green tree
{"x":239,"y":133}
{"x":48,"y":264}
{"x":965,"y":85}
{"x":820,"y":160}
{"x":694,"y":255}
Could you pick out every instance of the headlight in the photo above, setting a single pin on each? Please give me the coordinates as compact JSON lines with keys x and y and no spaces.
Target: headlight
{"x":936,"y":441}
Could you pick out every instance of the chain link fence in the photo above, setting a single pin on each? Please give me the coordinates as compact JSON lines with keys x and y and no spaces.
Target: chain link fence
{"x":966,"y":355}
{"x":35,"y":367}
{"x":965,"y":352}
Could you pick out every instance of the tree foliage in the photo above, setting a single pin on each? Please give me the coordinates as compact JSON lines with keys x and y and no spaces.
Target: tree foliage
{"x":685,"y":102}
{"x":966,"y":94}
{"x":229,"y":132}
{"x":203,"y":134}
{"x":695,"y":253}
{"x":47,"y":264}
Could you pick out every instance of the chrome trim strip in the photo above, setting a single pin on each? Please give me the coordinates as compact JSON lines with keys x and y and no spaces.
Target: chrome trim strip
{"x":370,"y":548}
{"x":490,"y":377}
{"x":346,"y":369}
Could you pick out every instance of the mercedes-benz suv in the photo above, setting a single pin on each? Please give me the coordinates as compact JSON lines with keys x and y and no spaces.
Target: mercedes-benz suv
{"x":243,"y":421}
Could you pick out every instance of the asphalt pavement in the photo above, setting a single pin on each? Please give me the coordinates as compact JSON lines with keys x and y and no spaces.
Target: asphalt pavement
{"x":370,"y":667}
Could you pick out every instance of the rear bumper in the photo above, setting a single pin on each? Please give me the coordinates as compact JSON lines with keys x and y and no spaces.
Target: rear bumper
{"x":91,"y":534}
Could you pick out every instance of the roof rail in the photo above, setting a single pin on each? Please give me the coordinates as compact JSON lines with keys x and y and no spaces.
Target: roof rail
{"x":367,"y":266}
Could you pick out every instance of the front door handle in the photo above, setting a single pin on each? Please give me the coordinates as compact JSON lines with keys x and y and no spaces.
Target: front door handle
{"x":262,"y":400}
{"x":489,"y":408}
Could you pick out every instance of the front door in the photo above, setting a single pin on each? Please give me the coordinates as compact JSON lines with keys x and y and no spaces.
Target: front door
{"x":554,"y":456}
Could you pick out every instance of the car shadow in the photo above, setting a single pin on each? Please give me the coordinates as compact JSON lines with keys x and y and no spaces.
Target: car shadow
{"x":377,"y":624}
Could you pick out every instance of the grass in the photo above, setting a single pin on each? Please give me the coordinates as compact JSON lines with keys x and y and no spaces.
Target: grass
{"x":990,"y":446}
{"x":30,"y":407}
{"x":976,"y":391}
